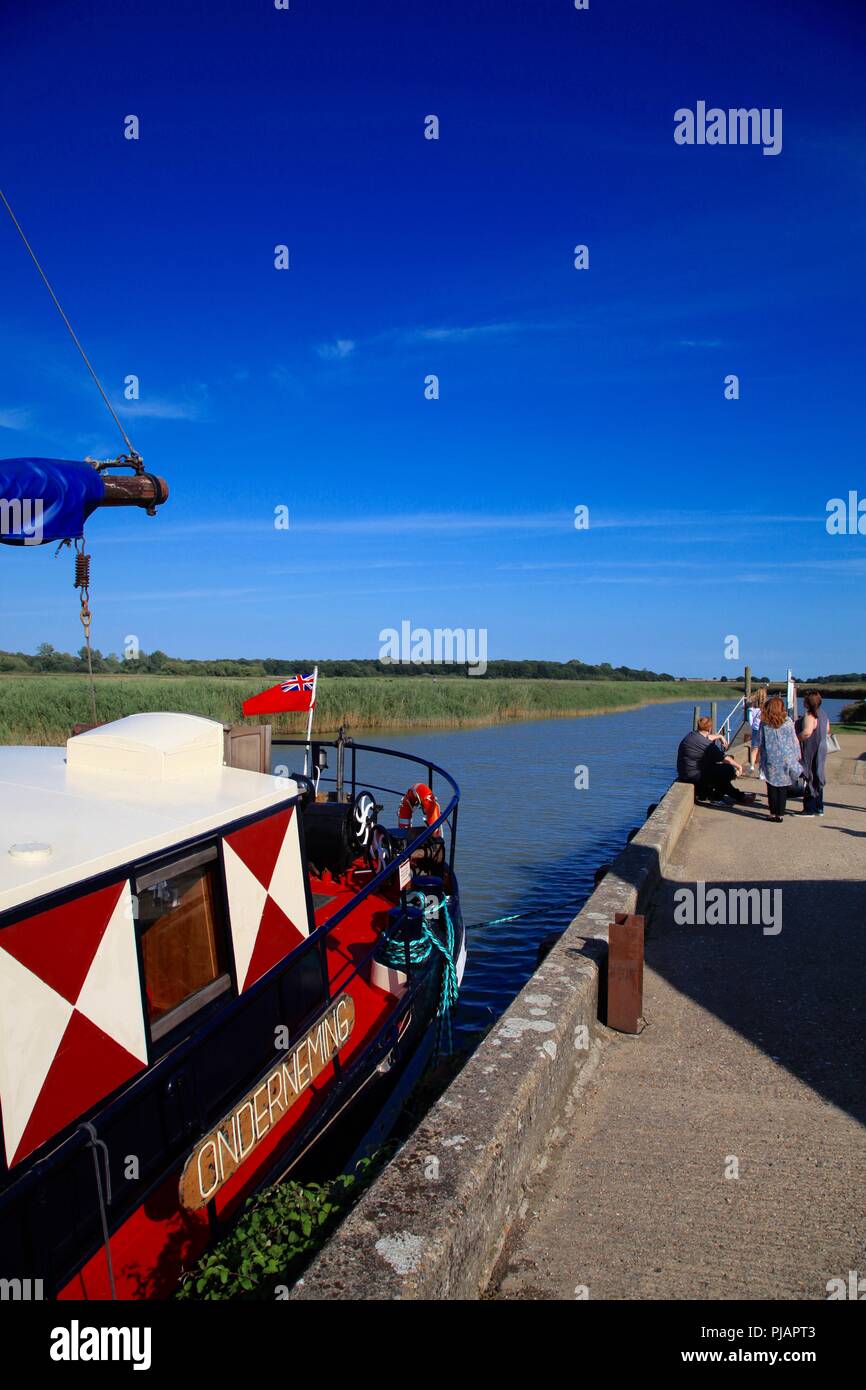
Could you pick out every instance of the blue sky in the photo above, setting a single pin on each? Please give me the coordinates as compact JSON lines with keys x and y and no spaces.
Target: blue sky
{"x":305,"y":388}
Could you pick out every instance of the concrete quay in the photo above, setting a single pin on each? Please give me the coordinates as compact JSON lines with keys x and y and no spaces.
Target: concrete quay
{"x":720,"y":1153}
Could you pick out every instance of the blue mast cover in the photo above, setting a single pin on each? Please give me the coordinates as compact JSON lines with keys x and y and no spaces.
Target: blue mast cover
{"x":44,"y":500}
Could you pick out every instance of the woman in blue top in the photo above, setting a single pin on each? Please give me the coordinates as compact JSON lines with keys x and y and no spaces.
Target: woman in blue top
{"x":780,"y":755}
{"x":755,"y":710}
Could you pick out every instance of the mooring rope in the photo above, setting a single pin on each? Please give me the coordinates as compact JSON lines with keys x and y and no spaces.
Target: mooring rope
{"x":395,"y":953}
{"x":516,"y":917}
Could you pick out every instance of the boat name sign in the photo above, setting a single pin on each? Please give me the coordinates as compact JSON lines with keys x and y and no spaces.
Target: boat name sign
{"x":217,"y":1156}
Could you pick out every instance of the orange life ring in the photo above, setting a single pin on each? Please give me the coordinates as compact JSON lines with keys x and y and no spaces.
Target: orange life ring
{"x":419,"y":795}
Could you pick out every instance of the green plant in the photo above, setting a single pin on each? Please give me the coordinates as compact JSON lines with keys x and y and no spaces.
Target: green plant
{"x":278,"y":1231}
{"x":854,"y":714}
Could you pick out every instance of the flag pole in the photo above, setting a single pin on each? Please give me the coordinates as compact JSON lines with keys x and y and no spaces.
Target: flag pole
{"x":308,"y":750}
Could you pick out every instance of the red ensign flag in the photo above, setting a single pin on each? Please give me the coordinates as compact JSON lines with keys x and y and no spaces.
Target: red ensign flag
{"x":296,"y":693}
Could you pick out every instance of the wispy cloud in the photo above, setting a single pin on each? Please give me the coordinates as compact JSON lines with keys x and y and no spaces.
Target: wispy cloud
{"x":341,"y":348}
{"x":464,"y":333}
{"x":287,"y":380}
{"x":16,"y":419}
{"x":439,"y":522}
{"x":159,"y":408}
{"x":459,"y":523}
{"x":336,"y":351}
{"x":208,"y":595}
{"x":682,"y":520}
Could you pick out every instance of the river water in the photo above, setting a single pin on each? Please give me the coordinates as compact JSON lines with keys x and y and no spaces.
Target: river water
{"x":528,"y":840}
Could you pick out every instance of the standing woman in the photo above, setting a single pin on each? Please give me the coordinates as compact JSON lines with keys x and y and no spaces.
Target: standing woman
{"x":780,"y":755}
{"x":756,"y":709}
{"x":814,"y":732}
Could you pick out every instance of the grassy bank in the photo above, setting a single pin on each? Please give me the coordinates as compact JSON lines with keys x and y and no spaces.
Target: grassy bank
{"x":43,"y":708}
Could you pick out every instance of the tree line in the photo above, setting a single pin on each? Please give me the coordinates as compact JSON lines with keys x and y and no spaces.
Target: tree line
{"x":157,"y":663}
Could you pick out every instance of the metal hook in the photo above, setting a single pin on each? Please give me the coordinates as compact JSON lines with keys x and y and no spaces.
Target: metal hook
{"x":95,"y":1143}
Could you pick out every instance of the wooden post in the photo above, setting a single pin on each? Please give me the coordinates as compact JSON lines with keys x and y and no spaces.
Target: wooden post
{"x":696,"y":714}
{"x":625,"y":973}
{"x":747,"y":685}
{"x":714,"y":714}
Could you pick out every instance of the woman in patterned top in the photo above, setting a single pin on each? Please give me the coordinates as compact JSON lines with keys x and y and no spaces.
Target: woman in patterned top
{"x":780,"y":755}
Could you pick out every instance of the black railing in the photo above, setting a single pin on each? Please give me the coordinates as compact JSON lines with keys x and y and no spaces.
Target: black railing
{"x":448,"y":816}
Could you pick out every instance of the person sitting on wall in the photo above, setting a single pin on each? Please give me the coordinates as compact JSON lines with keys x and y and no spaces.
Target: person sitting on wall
{"x":702,"y":761}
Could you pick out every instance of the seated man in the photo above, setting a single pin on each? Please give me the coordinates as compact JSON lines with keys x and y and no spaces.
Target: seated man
{"x":701,"y":761}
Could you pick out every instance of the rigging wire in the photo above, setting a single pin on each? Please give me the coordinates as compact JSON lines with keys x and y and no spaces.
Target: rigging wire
{"x":72,"y":334}
{"x":82,"y":559}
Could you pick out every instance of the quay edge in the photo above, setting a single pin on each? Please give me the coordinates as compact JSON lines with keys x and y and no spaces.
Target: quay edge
{"x":434,"y":1223}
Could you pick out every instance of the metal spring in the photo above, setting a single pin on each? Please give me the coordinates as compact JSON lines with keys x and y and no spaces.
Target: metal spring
{"x":82,"y":570}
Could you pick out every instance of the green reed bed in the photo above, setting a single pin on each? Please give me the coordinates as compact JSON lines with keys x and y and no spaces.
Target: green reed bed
{"x":43,"y":708}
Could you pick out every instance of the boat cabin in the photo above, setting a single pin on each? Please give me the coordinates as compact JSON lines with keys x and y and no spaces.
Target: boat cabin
{"x":198,"y":973}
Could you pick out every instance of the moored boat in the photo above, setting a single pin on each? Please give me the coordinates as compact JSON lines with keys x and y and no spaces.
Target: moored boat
{"x":203,"y":970}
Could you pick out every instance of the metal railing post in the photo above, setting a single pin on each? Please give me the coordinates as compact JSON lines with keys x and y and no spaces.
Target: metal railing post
{"x":340,"y":763}
{"x":453,"y":846}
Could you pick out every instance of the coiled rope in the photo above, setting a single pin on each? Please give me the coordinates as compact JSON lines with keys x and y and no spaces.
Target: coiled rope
{"x":396,"y":954}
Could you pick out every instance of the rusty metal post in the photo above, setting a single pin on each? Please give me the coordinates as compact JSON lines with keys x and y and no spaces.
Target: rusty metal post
{"x":625,"y":973}
{"x":141,"y":490}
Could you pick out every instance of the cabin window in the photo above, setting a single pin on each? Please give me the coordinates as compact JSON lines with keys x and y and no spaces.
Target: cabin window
{"x":183,"y":939}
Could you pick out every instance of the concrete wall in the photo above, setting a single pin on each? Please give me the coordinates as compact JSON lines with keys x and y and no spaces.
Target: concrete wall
{"x":435,"y":1221}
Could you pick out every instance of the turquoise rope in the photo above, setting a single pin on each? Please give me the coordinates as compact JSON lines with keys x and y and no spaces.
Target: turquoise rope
{"x":394,"y":954}
{"x":514,"y":917}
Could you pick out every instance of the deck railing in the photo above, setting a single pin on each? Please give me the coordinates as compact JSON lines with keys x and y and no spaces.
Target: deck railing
{"x":447,"y":819}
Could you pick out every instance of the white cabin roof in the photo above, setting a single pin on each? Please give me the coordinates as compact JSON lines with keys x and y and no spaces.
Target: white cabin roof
{"x":144,"y":784}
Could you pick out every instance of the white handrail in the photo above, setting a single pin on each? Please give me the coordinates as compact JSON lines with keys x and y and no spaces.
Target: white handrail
{"x":725,"y":728}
